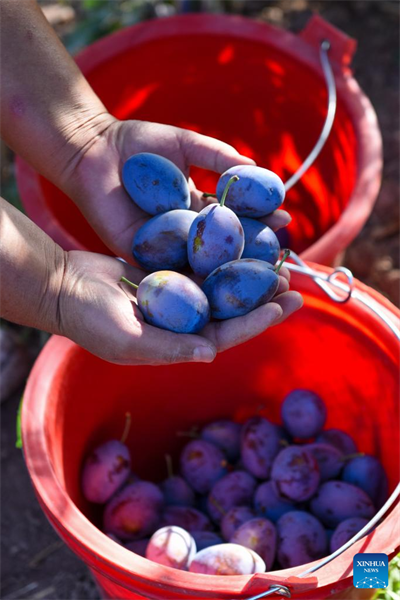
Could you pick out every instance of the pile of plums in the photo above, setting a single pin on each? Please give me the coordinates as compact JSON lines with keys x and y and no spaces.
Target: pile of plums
{"x":224,"y":245}
{"x":249,"y":498}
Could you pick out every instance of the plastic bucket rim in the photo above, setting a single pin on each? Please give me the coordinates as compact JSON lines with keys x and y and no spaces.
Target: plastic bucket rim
{"x":93,"y":542}
{"x":369,"y":142}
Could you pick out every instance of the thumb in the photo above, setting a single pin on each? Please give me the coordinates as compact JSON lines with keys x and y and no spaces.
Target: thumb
{"x":209,"y":153}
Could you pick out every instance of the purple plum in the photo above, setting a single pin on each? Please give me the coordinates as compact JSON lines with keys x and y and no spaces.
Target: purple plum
{"x":234,"y":518}
{"x":155,"y":184}
{"x":336,"y":501}
{"x":339,"y":439}
{"x":295,"y":473}
{"x":259,"y":241}
{"x":187,"y":517}
{"x":330,"y":460}
{"x":205,"y":539}
{"x":259,"y":535}
{"x":202,"y":464}
{"x":177,"y":492}
{"x":227,"y":559}
{"x":226,"y":435}
{"x":105,"y":470}
{"x":161,"y":243}
{"x":367,"y":473}
{"x":235,"y":489}
{"x":301,"y":539}
{"x":269,"y":503}
{"x":303,"y":414}
{"x":345,"y":531}
{"x":257,"y":193}
{"x":260,"y":444}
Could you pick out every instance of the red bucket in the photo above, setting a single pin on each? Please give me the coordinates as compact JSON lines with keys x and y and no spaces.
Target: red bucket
{"x":256,"y":87}
{"x":73,"y":401}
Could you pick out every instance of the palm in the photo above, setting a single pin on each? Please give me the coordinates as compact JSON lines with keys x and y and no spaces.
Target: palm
{"x":102,"y":197}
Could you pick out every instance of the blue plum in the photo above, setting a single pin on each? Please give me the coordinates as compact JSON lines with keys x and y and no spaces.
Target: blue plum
{"x":367,"y":473}
{"x":239,"y":286}
{"x":161,"y":243}
{"x":202,"y":464}
{"x":205,"y":539}
{"x":330,"y":460}
{"x":257,"y":193}
{"x":345,"y":531}
{"x":171,"y":546}
{"x":227,"y":559}
{"x":134,"y":512}
{"x":295,"y":473}
{"x":226,"y":435}
{"x":235,"y":489}
{"x":336,"y":501}
{"x":234,"y":518}
{"x":259,"y":535}
{"x":105,"y":470}
{"x":269,"y":503}
{"x":172,"y":301}
{"x":259,"y":446}
{"x":303,"y":413}
{"x":215,"y":238}
{"x":301,"y":539}
{"x":187,"y":517}
{"x":259,"y":241}
{"x":155,"y":184}
{"x":339,"y":439}
{"x":177,"y":492}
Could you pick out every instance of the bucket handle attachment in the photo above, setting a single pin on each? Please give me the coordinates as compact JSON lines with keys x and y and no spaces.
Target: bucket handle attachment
{"x":330,"y":116}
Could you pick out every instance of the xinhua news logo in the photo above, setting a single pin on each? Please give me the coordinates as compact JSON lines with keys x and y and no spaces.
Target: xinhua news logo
{"x":370,"y":571}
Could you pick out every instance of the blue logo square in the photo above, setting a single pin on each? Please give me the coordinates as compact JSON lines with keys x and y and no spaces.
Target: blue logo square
{"x":370,"y":571}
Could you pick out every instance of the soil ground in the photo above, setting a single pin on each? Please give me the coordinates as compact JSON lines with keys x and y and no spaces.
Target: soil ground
{"x":35,"y":564}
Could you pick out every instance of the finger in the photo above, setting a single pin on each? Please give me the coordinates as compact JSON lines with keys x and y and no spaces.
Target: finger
{"x":283,"y":286}
{"x":289,"y":302}
{"x":229,"y":333}
{"x":197,"y":200}
{"x":209,"y":153}
{"x":284,"y":272}
{"x":278,"y":219}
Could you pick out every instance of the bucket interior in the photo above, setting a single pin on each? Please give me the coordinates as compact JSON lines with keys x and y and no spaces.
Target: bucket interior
{"x":248,"y":93}
{"x":341,"y":353}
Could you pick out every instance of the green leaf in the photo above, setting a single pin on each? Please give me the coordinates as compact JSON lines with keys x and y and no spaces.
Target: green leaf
{"x":18,"y":443}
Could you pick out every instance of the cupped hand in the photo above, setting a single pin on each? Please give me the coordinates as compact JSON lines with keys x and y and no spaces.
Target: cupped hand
{"x":101,"y":314}
{"x":95,"y":184}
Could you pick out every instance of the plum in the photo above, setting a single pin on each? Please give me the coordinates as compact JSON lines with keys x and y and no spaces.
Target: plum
{"x":226,"y":435}
{"x":155,"y":184}
{"x":295,"y":473}
{"x":269,"y":503}
{"x":202,"y":464}
{"x":339,"y":439}
{"x":172,"y":301}
{"x":234,"y":518}
{"x":336,"y":501}
{"x":161,"y":243}
{"x":259,"y":535}
{"x":227,"y":559}
{"x":105,"y":470}
{"x":134,"y":512}
{"x":303,"y":413}
{"x":259,"y":241}
{"x":330,"y":460}
{"x":367,"y":473}
{"x":205,"y":539}
{"x":240,"y":286}
{"x":257,"y":193}
{"x":187,"y":517}
{"x":345,"y":531}
{"x":235,"y":489}
{"x":171,"y":546}
{"x":260,"y":444}
{"x":215,"y":238}
{"x":177,"y":492}
{"x":301,"y":539}
{"x":138,"y":546}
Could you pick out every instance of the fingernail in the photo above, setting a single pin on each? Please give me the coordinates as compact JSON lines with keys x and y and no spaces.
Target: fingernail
{"x":203,"y":354}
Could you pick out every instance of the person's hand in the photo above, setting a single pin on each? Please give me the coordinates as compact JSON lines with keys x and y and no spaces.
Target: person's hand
{"x":100,"y":314}
{"x":95,"y":184}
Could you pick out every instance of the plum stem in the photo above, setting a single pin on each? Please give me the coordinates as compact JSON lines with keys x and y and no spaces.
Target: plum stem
{"x":228,"y":185}
{"x":128,"y":421}
{"x":125,"y":280}
{"x":208,"y":195}
{"x":170,"y":469}
{"x":350,"y":456}
{"x":217,"y":505}
{"x":284,"y":257}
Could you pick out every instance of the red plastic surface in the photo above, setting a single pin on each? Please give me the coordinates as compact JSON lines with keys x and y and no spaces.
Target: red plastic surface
{"x":73,"y":401}
{"x":253,"y":86}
